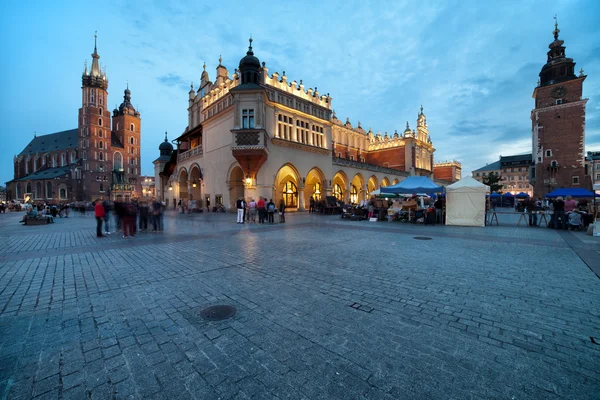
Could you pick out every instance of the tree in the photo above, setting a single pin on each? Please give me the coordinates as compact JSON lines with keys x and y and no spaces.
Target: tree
{"x":493,"y":181}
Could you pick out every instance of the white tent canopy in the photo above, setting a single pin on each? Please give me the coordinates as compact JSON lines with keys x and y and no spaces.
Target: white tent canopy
{"x":465,"y":202}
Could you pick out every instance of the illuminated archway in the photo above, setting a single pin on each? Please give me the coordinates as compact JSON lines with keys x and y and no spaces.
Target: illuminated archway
{"x":357,"y":191}
{"x":340,"y":186}
{"x":385,"y":182}
{"x":396,"y":181}
{"x":314,"y":185}
{"x":195,"y":182}
{"x":182,"y":181}
{"x":236,"y":185}
{"x":373,"y":184}
{"x":287,"y":173}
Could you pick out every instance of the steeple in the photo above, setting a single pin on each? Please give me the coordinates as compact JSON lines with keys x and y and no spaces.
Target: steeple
{"x":250,"y":67}
{"x":558,"y":67}
{"x":95,"y":77}
{"x":95,"y":57}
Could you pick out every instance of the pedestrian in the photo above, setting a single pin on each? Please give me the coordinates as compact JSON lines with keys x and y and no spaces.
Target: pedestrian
{"x":99,"y":213}
{"x":570,"y":204}
{"x":271,"y":211}
{"x":559,"y":212}
{"x":311,"y":208}
{"x":155,"y":213}
{"x":282,"y":210}
{"x":240,"y":210}
{"x":208,"y":204}
{"x":439,"y":210}
{"x":107,"y":210}
{"x":252,"y":210}
{"x":246,"y":217}
{"x":531,"y":210}
{"x":163,"y":208}
{"x":371,"y":208}
{"x":129,"y":217}
{"x":144,"y":214}
{"x":261,"y":210}
{"x":180,"y":204}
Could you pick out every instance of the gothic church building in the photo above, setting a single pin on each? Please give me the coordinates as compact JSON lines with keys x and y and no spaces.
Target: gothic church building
{"x":100,"y":159}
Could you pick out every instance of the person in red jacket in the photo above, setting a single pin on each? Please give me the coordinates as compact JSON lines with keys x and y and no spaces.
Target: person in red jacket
{"x":99,"y":213}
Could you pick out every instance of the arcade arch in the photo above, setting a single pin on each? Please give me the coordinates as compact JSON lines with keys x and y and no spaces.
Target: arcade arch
{"x":385,"y":182}
{"x":182,"y":182}
{"x":315,"y":185}
{"x":357,"y":191}
{"x":236,"y":185}
{"x":195,"y":183}
{"x":288,"y":187}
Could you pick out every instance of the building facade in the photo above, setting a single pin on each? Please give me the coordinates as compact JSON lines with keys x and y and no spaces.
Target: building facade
{"x":593,"y":158}
{"x":449,"y":171}
{"x":558,"y":124}
{"x":513,"y":172}
{"x":98,"y":160}
{"x":259,"y":134}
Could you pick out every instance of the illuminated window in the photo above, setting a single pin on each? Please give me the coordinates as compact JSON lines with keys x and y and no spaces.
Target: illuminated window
{"x":290,"y":195}
{"x":337,"y":192}
{"x":317,"y":191}
{"x":353,"y":195}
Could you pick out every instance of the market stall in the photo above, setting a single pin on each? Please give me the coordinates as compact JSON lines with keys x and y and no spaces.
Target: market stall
{"x":412,"y":209}
{"x":465,"y":203}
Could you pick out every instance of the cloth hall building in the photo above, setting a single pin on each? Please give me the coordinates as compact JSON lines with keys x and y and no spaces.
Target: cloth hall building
{"x":257,"y":134}
{"x":100,"y":159}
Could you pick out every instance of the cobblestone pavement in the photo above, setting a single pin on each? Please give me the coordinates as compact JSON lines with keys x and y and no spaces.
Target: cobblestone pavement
{"x":326,"y":309}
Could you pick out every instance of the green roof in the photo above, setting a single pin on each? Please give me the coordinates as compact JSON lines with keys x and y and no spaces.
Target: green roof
{"x":48,"y":173}
{"x":52,"y":142}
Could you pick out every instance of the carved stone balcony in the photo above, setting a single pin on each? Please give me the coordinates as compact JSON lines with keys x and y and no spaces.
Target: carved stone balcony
{"x":249,"y":147}
{"x":196,"y":152}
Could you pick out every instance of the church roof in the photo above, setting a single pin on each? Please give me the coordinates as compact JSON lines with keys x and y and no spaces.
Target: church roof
{"x":51,"y":142}
{"x":48,"y":173}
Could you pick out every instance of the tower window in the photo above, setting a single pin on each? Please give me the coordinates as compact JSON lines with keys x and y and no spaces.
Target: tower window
{"x":100,"y":111}
{"x":248,"y":119}
{"x":575,"y":180}
{"x":131,"y":127}
{"x":548,"y":153}
{"x":558,"y":101}
{"x":100,"y":121}
{"x":100,"y":133}
{"x":101,"y":144}
{"x":131,"y":141}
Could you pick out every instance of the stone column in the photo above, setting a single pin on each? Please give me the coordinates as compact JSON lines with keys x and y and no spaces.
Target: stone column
{"x":301,"y":202}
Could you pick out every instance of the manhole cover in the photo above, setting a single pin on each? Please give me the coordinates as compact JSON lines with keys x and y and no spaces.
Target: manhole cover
{"x":218,"y":313}
{"x":422,"y":238}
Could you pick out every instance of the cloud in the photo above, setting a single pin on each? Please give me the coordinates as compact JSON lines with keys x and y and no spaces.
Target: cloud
{"x":173,"y":80}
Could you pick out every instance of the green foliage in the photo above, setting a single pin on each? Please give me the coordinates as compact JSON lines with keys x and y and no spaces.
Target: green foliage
{"x":493,"y":181}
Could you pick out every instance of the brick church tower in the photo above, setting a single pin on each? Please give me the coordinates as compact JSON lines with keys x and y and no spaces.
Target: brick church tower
{"x":94,"y":133}
{"x":558,"y":124}
{"x":127,"y":160}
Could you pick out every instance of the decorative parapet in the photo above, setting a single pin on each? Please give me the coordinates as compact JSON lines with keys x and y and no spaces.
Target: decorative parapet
{"x":217,"y":91}
{"x":452,"y":163}
{"x":193,"y":153}
{"x":295,"y":89}
{"x":369,"y":167}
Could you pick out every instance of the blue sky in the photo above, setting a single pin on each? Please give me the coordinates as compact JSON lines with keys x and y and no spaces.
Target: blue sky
{"x":472,"y":65}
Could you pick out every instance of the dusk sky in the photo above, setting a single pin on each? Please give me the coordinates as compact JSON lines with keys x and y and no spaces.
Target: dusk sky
{"x":473,"y":65}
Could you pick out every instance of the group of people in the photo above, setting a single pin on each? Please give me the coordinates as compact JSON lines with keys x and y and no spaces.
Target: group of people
{"x":129,"y":217}
{"x":566,"y":213}
{"x":247,"y":211}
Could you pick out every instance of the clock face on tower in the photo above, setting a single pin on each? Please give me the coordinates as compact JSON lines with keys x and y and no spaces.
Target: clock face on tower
{"x":558,"y":92}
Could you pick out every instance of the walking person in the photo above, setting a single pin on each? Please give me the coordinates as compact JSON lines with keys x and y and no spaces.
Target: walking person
{"x":261,"y":210}
{"x":107,"y":210}
{"x":240,"y":210}
{"x":246,"y":217}
{"x":311,"y":208}
{"x":208,"y":204}
{"x":282,"y":210}
{"x":439,"y":210}
{"x":271,"y":211}
{"x":129,"y":216}
{"x":371,"y":209}
{"x":99,"y":213}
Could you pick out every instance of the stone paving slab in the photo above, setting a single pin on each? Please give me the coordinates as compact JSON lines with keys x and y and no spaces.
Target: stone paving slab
{"x":326,"y":309}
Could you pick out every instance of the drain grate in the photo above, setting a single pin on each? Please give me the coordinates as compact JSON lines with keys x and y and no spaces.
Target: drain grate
{"x":422,"y":238}
{"x":218,"y":313}
{"x":360,"y":307}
